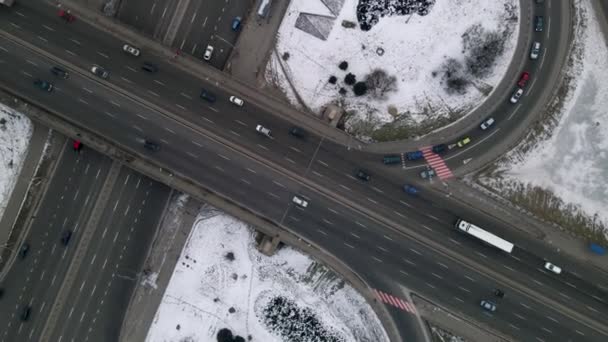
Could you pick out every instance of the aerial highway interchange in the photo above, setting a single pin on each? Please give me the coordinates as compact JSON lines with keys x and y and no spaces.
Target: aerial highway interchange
{"x":384,"y":235}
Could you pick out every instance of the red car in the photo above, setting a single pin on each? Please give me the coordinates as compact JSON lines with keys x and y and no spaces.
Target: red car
{"x":66,"y":15}
{"x":525,"y":76}
{"x":77,"y":145}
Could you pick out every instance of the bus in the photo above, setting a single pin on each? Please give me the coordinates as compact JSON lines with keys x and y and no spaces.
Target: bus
{"x":487,"y":237}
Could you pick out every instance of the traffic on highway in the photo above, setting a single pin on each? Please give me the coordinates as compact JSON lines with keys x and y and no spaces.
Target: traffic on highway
{"x":378,"y":212}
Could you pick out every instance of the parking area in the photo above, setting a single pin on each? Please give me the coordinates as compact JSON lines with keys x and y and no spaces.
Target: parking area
{"x":188,"y":25}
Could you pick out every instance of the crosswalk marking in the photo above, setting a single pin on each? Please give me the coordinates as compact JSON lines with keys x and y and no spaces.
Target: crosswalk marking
{"x":394,"y":301}
{"x":437,"y":163}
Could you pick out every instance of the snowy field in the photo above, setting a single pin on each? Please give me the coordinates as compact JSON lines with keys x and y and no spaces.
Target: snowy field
{"x":15,"y":133}
{"x":570,"y":158}
{"x":417,"y":51}
{"x":222,"y":282}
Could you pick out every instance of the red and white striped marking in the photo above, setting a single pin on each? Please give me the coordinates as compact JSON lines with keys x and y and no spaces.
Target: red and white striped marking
{"x":394,"y":301}
{"x":437,"y":163}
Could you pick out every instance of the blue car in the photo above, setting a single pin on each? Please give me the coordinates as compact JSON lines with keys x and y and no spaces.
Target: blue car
{"x":414,"y":155}
{"x":410,"y":189}
{"x":236,"y":23}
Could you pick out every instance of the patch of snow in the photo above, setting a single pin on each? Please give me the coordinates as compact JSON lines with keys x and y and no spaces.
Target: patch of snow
{"x":222,"y":281}
{"x":15,"y":133}
{"x":414,"y":47}
{"x":573,"y":161}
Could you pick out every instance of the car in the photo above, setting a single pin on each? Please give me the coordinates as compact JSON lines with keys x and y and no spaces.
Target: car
{"x":391,"y":159}
{"x":300,"y":202}
{"x":464,"y":141}
{"x":150,"y":145}
{"x":208,"y":53}
{"x":66,"y":15}
{"x":538,"y":23}
{"x":66,"y":236}
{"x":553,"y":268}
{"x":149,"y":67}
{"x":236,"y":23}
{"x":362,"y":175}
{"x":207,"y":95}
{"x":410,"y":189}
{"x":428,"y":173}
{"x":57,"y":71}
{"x":237,"y":101}
{"x":297,"y":132}
{"x":99,"y":71}
{"x":131,"y":50}
{"x":44,"y":85}
{"x":438,"y":149}
{"x":488,"y":305}
{"x":487,"y":124}
{"x":414,"y":155}
{"x":76,"y":145}
{"x":25,"y":313}
{"x":25,"y":248}
{"x":516,"y":95}
{"x":535,"y":50}
{"x":1,"y":292}
{"x":523,"y":79}
{"x":499,"y":293}
{"x":263,"y":130}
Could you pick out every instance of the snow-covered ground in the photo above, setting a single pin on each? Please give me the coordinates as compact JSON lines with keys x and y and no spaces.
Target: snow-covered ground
{"x":412,"y":48}
{"x":221,"y":282}
{"x":15,"y":133}
{"x":570,"y":157}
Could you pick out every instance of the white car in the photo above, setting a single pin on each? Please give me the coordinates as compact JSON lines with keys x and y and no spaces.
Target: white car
{"x":300,"y":201}
{"x":535,"y":50}
{"x":237,"y":101}
{"x":516,"y":95}
{"x":130,"y":49}
{"x":99,"y":71}
{"x":263,"y":130}
{"x":486,"y":124}
{"x":553,"y":268}
{"x":208,"y":53}
{"x":488,"y":305}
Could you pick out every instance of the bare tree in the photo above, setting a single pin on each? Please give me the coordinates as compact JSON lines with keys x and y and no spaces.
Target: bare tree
{"x":379,"y":83}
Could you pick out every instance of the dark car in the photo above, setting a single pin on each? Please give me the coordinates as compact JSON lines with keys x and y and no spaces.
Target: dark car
{"x":152,"y":146}
{"x":499,"y":293}
{"x":362,"y":175}
{"x":25,"y":313}
{"x":57,"y":71}
{"x":438,"y":149}
{"x":65,"y":237}
{"x":149,"y":67}
{"x":390,"y":159}
{"x":44,"y":85}
{"x":538,"y":23}
{"x":297,"y":132}
{"x":206,"y":95}
{"x":1,"y":292}
{"x":414,"y":155}
{"x":25,"y":248}
{"x":99,"y":71}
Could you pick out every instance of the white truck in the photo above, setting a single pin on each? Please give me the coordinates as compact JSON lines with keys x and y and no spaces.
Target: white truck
{"x":7,"y":3}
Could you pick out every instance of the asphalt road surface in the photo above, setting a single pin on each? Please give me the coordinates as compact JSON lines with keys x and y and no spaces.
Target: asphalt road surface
{"x":108,"y":270}
{"x":216,"y":144}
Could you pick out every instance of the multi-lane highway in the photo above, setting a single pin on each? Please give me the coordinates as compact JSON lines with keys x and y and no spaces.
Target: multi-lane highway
{"x":393,"y":240}
{"x":77,"y":288}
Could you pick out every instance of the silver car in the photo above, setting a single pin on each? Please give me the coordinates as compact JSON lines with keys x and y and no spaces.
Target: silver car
{"x":516,"y":95}
{"x":535,"y":50}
